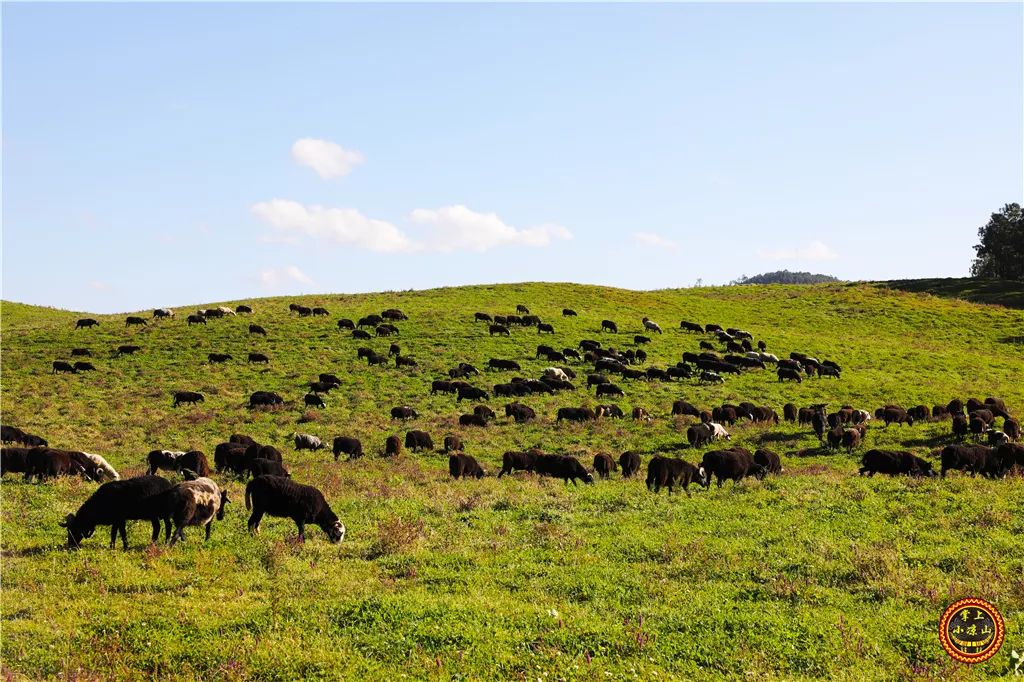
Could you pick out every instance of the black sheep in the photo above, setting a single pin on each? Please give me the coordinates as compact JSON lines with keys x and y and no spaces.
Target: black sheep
{"x":13,"y":460}
{"x":522,"y":461}
{"x":113,"y":504}
{"x":44,"y":463}
{"x":279,"y":496}
{"x":189,"y":397}
{"x":604,"y":465}
{"x":668,"y":472}
{"x":630,"y":463}
{"x":972,"y":459}
{"x":350,"y":446}
{"x":894,"y":463}
{"x":734,"y":464}
{"x":464,"y":466}
{"x":418,"y":440}
{"x":769,"y":460}
{"x":266,"y":467}
{"x":563,"y":467}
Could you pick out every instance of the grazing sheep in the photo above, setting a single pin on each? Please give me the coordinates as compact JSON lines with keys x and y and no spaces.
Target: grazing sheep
{"x":305,"y":441}
{"x":352,"y":447}
{"x":282,"y":497}
{"x":59,"y":366}
{"x":769,"y":460}
{"x":265,"y":399}
{"x":44,"y":463}
{"x":266,"y":467}
{"x":187,"y":397}
{"x":604,"y":465}
{"x":190,"y":503}
{"x":418,"y":440}
{"x":667,"y":472}
{"x":403,"y":412}
{"x":895,"y":463}
{"x":521,"y":461}
{"x":113,"y":504}
{"x":734,"y":464}
{"x":103,"y":467}
{"x":464,"y":466}
{"x":563,"y":467}
{"x":163,"y":459}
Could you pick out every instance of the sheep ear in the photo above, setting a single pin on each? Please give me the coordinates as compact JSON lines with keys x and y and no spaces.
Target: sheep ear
{"x":67,"y":521}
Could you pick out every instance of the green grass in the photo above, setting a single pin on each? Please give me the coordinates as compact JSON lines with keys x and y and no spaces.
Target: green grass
{"x":815,"y":574}
{"x":992,"y":291}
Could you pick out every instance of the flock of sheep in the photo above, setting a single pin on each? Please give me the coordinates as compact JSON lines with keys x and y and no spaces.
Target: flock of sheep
{"x":198,"y":500}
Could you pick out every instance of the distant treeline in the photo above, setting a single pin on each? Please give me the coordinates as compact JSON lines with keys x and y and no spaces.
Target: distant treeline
{"x":785,"y":277}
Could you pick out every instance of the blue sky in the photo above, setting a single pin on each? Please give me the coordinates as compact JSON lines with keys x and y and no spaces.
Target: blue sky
{"x":173,"y":154}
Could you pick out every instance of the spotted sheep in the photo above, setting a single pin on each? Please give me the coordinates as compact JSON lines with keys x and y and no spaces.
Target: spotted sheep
{"x":103,"y":467}
{"x":190,"y":503}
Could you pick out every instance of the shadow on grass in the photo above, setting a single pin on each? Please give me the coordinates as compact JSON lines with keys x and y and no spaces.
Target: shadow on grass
{"x":672,"y":447}
{"x":38,"y":550}
{"x":1015,"y":340}
{"x":820,"y":451}
{"x":1007,"y":293}
{"x":769,"y":437}
{"x":932,"y":442}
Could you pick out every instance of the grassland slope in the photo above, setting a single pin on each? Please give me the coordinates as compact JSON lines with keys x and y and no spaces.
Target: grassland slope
{"x":814,"y":574}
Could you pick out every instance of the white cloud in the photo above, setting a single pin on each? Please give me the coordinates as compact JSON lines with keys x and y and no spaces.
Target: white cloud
{"x":275,"y":278}
{"x":298,"y":275}
{"x":99,"y":286}
{"x":345,"y":226}
{"x":451,"y":228}
{"x":458,"y":227}
{"x":814,"y":251}
{"x":328,"y":159}
{"x":655,"y":240}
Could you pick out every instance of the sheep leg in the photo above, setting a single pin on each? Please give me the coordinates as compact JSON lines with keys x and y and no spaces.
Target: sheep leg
{"x":124,"y":535}
{"x":254,"y":521}
{"x":209,"y":529}
{"x":113,"y":535}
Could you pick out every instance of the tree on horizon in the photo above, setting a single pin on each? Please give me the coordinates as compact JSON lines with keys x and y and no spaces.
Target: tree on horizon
{"x":785,"y":277}
{"x":1000,"y":251}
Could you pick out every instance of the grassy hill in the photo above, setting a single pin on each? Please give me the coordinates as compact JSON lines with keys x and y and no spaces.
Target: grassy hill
{"x":992,"y":291}
{"x":817,"y":573}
